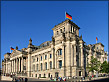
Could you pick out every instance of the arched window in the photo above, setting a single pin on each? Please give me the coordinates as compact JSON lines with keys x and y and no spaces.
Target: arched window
{"x":60,"y":52}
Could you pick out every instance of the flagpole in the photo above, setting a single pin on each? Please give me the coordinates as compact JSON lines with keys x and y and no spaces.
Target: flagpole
{"x":10,"y":49}
{"x":65,"y":14}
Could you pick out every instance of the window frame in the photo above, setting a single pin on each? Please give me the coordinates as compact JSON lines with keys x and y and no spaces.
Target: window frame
{"x":60,"y":64}
{"x":50,"y":64}
{"x":45,"y":57}
{"x":50,"y":55}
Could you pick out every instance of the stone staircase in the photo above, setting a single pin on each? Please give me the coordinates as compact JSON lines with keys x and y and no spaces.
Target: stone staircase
{"x":5,"y":78}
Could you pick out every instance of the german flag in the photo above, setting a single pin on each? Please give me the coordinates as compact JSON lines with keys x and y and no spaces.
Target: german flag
{"x":96,"y":38}
{"x":68,"y":16}
{"x":12,"y":48}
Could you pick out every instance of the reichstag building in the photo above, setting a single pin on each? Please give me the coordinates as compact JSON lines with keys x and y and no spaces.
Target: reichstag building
{"x":65,"y":55}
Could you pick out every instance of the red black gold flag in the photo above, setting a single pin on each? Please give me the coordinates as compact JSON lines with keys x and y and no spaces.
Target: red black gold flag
{"x":96,"y":38}
{"x":68,"y":16}
{"x":12,"y":48}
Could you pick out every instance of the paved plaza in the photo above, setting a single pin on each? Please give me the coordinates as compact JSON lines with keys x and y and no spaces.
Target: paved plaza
{"x":99,"y":79}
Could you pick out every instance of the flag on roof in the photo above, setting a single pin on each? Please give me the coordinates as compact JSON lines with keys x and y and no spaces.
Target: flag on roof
{"x":68,"y":16}
{"x":96,"y":38}
{"x":12,"y":48}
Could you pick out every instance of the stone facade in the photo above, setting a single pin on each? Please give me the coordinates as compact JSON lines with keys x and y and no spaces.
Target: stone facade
{"x":66,"y":55}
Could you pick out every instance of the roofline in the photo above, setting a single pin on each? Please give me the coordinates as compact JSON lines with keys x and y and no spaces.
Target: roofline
{"x":67,"y":20}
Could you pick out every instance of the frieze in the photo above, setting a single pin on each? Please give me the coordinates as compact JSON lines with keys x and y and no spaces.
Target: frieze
{"x":41,"y":49}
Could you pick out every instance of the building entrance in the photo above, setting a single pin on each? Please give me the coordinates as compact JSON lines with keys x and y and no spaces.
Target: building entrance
{"x":56,"y":74}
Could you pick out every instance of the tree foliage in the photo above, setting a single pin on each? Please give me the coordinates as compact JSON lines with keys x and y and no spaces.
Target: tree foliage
{"x":94,"y":65}
{"x":104,"y":67}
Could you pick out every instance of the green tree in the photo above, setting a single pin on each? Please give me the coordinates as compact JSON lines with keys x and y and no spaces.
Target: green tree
{"x":104,"y":67}
{"x":94,"y":65}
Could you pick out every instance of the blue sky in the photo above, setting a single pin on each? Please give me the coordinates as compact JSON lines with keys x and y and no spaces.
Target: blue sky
{"x":21,"y":20}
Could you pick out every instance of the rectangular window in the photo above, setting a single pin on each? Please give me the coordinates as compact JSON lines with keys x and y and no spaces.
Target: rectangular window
{"x":41,"y":66}
{"x":60,"y":63}
{"x":33,"y":67}
{"x":41,"y":58}
{"x":33,"y":59}
{"x":36,"y":75}
{"x":37,"y":67}
{"x":45,"y":57}
{"x":46,"y":65}
{"x":50,"y":56}
{"x":50,"y":64}
{"x":60,"y":51}
{"x":37,"y":59}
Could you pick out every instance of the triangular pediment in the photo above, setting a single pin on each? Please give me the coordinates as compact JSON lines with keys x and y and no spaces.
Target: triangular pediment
{"x":15,"y":53}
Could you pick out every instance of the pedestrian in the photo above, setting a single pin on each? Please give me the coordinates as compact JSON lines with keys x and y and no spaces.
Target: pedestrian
{"x":84,"y":77}
{"x":89,"y":77}
{"x":22,"y":79}
{"x":92,"y":76}
{"x":51,"y":77}
{"x":26,"y":79}
{"x":61,"y":79}
{"x":15,"y":80}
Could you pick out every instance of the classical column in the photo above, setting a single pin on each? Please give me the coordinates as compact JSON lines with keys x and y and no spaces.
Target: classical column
{"x":11,"y":66}
{"x":63,"y":55}
{"x":53,"y":56}
{"x":29,"y":65}
{"x":75,"y":63}
{"x":48,"y":61}
{"x":55,"y":60}
{"x":68,"y":54}
{"x":39,"y":63}
{"x":19,"y":65}
{"x":26,"y":64}
{"x":14,"y":66}
{"x":6,"y":66}
{"x":22,"y":65}
{"x":43,"y":62}
{"x":82,"y":56}
{"x":72,"y":55}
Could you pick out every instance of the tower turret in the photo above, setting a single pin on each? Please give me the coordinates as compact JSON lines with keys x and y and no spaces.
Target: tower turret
{"x":30,"y":43}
